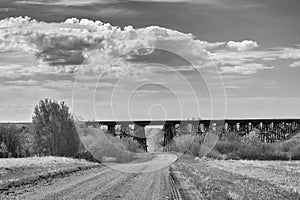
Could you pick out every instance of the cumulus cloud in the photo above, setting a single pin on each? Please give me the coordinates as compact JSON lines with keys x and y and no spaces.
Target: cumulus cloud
{"x":295,"y":64}
{"x":66,"y":46}
{"x":245,"y":69}
{"x":288,"y":53}
{"x":225,"y":57}
{"x":74,"y":41}
{"x":244,"y":45}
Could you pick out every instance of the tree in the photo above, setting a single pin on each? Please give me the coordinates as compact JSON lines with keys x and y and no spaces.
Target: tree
{"x":55,"y":129}
{"x":3,"y":150}
{"x":10,"y":143}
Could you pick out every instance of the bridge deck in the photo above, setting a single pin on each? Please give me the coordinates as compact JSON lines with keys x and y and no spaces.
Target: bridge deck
{"x":204,"y":121}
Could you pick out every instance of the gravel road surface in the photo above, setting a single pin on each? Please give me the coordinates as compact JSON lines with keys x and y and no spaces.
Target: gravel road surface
{"x":147,"y":180}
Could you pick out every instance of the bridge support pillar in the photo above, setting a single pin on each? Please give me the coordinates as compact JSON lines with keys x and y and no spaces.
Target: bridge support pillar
{"x":140,"y":135}
{"x":214,"y":127}
{"x":237,"y":126}
{"x":169,"y":132}
{"x":124,"y":132}
{"x":250,"y":127}
{"x":195,"y":127}
{"x":111,"y":129}
{"x":202,"y":129}
{"x":226,"y":127}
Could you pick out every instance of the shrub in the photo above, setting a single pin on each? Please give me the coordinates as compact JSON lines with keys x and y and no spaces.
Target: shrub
{"x":290,"y":149}
{"x":215,"y":154}
{"x":55,"y":129}
{"x":186,"y":144}
{"x":3,"y":151}
{"x":132,"y":145}
{"x":251,"y":148}
{"x":295,"y":151}
{"x":107,"y":148}
{"x":226,"y":147}
{"x":230,"y":137}
{"x":196,"y":145}
{"x":231,"y":146}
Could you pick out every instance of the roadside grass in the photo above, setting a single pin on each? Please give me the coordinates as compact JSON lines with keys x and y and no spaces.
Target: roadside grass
{"x":107,"y":148}
{"x":238,"y":179}
{"x":232,"y":146}
{"x":281,"y":173}
{"x":10,"y":163}
{"x":21,"y":171}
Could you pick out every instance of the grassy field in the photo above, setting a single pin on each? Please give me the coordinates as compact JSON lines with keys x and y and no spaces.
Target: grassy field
{"x":285,"y":174}
{"x":18,"y":171}
{"x":12,"y":163}
{"x":238,"y":179}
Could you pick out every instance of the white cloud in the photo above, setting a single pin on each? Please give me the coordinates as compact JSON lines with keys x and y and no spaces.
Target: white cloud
{"x":225,"y":57}
{"x":6,"y":9}
{"x":65,"y":2}
{"x":289,"y":53}
{"x":176,"y":1}
{"x":61,"y":84}
{"x":22,"y":82}
{"x":63,"y":47}
{"x":71,"y":43}
{"x":295,"y":64}
{"x":228,"y":4}
{"x":245,"y":69}
{"x":244,"y":45}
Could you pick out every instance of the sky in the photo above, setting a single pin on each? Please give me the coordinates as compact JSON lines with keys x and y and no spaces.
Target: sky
{"x":151,"y":59}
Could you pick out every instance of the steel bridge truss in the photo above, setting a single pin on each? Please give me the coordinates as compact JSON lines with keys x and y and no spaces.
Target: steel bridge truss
{"x":269,"y":130}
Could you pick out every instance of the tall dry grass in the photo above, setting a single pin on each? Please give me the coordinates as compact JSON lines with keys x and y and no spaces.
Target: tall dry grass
{"x":251,"y":148}
{"x":197,"y":145}
{"x":107,"y":148}
{"x":232,"y":146}
{"x":35,"y":161}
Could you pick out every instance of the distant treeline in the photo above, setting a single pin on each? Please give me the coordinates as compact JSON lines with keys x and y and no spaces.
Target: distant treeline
{"x":52,"y":132}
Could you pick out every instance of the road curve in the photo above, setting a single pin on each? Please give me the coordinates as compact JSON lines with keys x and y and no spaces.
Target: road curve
{"x":147,"y":180}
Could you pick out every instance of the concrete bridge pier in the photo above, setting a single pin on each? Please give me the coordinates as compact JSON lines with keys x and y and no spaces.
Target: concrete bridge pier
{"x":111,"y":128}
{"x":202,"y":128}
{"x":233,"y":127}
{"x":297,"y":124}
{"x":280,"y":128}
{"x":169,"y":132}
{"x":214,"y":127}
{"x":195,"y":126}
{"x":124,"y":132}
{"x":250,"y":127}
{"x":140,"y":134}
{"x":226,"y":127}
{"x":237,"y":126}
{"x":261,"y":129}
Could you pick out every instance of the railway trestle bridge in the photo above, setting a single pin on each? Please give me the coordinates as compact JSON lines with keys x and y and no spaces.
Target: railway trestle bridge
{"x":269,"y":130}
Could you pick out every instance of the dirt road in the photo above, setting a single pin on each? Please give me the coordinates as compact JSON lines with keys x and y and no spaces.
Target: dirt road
{"x":147,"y":180}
